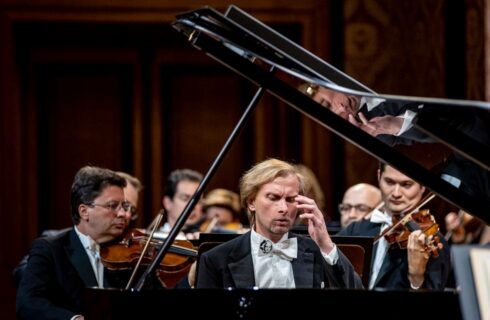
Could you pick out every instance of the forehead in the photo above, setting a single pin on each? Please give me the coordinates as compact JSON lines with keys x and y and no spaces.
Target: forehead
{"x":324,"y":92}
{"x":289,"y":184}
{"x":186,"y":186}
{"x":359,"y":195}
{"x":393,"y":173}
{"x":112,"y":192}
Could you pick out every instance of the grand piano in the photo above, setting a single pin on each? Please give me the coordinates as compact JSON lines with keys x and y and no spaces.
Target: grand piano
{"x":275,"y":64}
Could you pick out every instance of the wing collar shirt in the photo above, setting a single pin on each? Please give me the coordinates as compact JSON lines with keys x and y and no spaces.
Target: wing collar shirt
{"x":386,"y":221}
{"x":272,"y":261}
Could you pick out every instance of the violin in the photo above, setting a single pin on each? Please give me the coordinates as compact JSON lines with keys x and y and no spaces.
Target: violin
{"x":211,"y":224}
{"x":418,"y":219}
{"x":134,"y":249}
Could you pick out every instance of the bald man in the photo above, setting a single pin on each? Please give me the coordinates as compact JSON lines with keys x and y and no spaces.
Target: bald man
{"x":358,"y":201}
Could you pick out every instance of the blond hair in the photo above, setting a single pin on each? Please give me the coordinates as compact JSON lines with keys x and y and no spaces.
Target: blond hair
{"x":263,"y":173}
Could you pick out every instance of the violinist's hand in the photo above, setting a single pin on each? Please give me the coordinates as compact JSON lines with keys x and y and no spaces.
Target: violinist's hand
{"x":418,"y":256}
{"x":317,"y":227}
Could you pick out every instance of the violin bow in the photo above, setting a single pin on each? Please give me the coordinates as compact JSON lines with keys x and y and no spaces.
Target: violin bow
{"x":154,"y":225}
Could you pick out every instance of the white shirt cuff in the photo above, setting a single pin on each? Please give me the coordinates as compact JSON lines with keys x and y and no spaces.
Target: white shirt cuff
{"x":414,"y":287}
{"x":331,"y":257}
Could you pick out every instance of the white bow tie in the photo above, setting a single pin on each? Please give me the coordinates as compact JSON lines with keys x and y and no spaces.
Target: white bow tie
{"x":381,"y":217}
{"x":287,"y":249}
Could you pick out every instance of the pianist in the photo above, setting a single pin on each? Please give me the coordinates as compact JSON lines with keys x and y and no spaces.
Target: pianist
{"x":269,"y":256}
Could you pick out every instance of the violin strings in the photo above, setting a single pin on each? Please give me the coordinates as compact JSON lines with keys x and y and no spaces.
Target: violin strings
{"x":156,"y":223}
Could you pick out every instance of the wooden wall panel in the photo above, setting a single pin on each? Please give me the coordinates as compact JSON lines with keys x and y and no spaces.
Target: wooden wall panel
{"x":77,"y":128}
{"x":475,"y":49}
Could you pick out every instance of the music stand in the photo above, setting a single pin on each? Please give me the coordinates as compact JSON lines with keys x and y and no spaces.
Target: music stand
{"x":359,"y":250}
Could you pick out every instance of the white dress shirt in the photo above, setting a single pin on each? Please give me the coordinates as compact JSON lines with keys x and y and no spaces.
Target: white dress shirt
{"x":379,"y":256}
{"x":274,"y":271}
{"x":271,"y":271}
{"x":93,"y":251}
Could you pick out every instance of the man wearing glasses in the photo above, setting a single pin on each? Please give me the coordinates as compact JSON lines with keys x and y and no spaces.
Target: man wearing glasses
{"x":359,"y":200}
{"x":60,"y":267}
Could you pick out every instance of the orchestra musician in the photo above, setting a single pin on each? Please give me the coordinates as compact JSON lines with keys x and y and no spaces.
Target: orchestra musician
{"x":270,"y":256}
{"x":60,"y":267}
{"x":393,"y":267}
{"x":131,"y":194}
{"x":463,"y":228}
{"x":180,"y":186}
{"x":222,"y":211}
{"x":358,"y":201}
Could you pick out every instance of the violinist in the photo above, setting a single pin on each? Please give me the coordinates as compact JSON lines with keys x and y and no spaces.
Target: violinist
{"x":127,"y":257}
{"x":222,"y":211}
{"x":180,"y":186}
{"x":394,"y":267}
{"x":131,"y":194}
{"x":60,"y":267}
{"x":463,"y":228}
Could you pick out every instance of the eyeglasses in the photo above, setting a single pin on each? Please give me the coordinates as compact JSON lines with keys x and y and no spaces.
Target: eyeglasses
{"x":115,"y":206}
{"x":343,"y":207}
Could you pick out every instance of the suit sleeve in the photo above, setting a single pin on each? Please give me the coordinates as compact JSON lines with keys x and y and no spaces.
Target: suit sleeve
{"x":344,"y":270}
{"x":207,"y":273}
{"x":38,"y":288}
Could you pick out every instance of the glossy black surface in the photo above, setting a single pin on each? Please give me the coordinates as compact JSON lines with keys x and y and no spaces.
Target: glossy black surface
{"x":446,"y":140}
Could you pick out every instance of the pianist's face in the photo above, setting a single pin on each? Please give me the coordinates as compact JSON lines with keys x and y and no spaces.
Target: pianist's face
{"x":399,"y":192}
{"x":339,"y":103}
{"x":275,"y":207}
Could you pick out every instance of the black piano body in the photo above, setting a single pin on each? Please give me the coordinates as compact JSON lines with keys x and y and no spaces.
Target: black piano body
{"x":273,"y":303}
{"x":238,"y":41}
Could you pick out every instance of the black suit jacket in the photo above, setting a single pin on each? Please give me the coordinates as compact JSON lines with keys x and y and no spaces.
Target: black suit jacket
{"x":53,"y":281}
{"x":394,"y":270}
{"x":230,"y":265}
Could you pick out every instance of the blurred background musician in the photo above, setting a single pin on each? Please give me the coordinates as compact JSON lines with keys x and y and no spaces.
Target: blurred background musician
{"x":181,"y":184}
{"x":358,"y":201}
{"x":463,"y":228}
{"x":222,"y":212}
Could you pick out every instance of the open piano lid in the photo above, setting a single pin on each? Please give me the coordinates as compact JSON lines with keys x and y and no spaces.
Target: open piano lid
{"x":453,"y":132}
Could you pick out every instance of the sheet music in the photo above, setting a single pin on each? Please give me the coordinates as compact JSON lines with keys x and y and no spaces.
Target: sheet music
{"x":480,"y":265}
